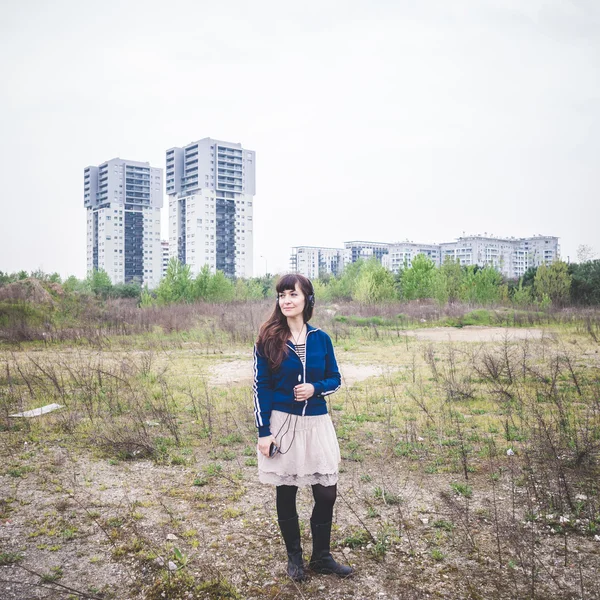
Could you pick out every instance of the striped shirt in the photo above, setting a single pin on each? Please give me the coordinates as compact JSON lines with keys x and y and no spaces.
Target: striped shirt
{"x":301,"y":352}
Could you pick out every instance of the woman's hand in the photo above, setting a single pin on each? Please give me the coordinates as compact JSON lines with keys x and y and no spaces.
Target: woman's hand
{"x":304,"y":391}
{"x":264,"y":444}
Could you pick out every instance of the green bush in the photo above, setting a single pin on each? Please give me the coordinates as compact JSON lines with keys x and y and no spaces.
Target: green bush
{"x":20,"y":313}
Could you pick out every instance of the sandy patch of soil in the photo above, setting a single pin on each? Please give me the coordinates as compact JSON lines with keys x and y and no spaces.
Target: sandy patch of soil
{"x":239,"y":372}
{"x":474,"y":333}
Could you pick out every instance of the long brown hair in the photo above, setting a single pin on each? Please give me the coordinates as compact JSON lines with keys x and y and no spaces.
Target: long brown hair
{"x":275,"y":332}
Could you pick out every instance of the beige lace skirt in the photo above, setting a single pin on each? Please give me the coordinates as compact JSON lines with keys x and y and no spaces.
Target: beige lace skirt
{"x":309,"y":452}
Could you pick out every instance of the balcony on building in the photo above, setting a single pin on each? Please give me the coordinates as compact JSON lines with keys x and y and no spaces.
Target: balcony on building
{"x":223,"y":160}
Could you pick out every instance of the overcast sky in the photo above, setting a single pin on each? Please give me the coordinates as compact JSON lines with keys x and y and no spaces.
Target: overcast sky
{"x":374,"y":120}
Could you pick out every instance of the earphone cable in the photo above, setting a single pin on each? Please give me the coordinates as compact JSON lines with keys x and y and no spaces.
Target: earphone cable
{"x":287,"y":422}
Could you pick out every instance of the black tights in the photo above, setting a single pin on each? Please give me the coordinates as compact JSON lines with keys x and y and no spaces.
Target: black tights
{"x":324,"y":500}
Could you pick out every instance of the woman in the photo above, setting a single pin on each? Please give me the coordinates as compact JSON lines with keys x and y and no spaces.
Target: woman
{"x":294,"y":370}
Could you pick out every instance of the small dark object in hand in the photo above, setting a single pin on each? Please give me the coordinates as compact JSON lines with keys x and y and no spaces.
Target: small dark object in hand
{"x":273,"y":450}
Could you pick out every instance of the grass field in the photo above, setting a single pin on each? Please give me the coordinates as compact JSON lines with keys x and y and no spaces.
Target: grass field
{"x":470,"y":465}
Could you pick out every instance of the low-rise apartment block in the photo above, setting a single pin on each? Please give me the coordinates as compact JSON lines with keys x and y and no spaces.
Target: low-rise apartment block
{"x":511,"y":256}
{"x":364,"y":250}
{"x":314,"y":262}
{"x":400,"y":255}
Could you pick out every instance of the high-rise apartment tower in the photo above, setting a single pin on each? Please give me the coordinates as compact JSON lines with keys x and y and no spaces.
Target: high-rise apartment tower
{"x":211,"y":185}
{"x":123,"y":199}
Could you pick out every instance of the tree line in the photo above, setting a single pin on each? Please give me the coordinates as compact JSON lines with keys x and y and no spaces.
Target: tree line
{"x":368,"y":282}
{"x":558,"y":284}
{"x":178,"y":285}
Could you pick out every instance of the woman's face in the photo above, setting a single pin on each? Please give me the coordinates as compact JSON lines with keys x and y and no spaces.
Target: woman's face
{"x":291,"y":302}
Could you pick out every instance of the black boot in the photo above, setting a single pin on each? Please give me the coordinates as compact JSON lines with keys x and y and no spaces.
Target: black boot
{"x":321,"y":560}
{"x":290,"y":530}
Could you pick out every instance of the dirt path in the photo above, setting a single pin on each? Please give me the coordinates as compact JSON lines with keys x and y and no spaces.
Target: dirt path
{"x":239,"y":370}
{"x":474,"y":333}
